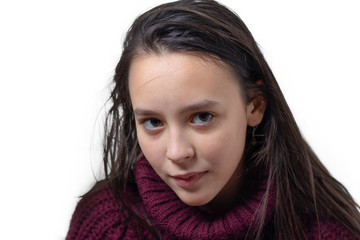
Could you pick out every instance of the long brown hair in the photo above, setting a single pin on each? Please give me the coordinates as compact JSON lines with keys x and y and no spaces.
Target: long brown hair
{"x":207,"y":28}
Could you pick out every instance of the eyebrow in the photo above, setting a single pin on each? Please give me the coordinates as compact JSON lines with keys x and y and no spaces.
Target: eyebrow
{"x":189,"y":108}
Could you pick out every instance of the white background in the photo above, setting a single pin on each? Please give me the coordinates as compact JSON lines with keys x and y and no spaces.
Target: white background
{"x":57,"y":59}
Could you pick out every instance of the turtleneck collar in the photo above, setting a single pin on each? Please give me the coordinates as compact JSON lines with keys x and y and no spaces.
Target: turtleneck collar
{"x":174,"y":218}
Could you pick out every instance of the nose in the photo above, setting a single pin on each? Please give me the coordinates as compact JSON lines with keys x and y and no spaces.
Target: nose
{"x":179,"y":146}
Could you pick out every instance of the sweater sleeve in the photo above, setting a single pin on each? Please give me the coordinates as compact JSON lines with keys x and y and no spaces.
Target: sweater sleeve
{"x":97,"y":217}
{"x":329,"y":230}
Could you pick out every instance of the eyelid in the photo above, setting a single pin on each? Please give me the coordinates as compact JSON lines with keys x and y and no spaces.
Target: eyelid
{"x":206,"y":123}
{"x":145,"y":120}
{"x":154,"y":129}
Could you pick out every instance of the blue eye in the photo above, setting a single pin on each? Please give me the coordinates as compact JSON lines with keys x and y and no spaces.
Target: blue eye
{"x":152,"y":124}
{"x":202,"y":118}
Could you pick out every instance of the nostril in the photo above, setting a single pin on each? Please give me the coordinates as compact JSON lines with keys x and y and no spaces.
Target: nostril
{"x":180,"y":158}
{"x":180,"y":154}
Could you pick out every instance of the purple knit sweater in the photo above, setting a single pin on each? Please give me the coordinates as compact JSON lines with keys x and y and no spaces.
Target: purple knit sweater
{"x":98,"y":217}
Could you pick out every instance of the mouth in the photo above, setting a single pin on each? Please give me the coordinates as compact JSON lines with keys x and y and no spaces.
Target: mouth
{"x":189,"y":179}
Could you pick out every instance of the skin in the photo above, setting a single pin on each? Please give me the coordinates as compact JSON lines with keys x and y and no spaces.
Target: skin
{"x":191,"y":118}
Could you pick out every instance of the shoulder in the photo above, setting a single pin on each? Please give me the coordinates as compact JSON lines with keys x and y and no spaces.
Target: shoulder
{"x":328,"y":229}
{"x":98,"y":216}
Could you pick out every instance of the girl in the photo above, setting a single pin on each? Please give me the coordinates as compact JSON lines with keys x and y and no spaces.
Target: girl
{"x":200,"y":143}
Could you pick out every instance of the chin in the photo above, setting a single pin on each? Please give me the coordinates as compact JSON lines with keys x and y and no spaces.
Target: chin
{"x":194,"y":201}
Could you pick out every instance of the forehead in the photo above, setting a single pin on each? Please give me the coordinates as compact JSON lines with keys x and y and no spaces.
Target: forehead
{"x":171,"y":80}
{"x":146,"y":68}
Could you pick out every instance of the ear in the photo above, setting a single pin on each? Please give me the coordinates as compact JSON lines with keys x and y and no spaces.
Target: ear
{"x":255,"y":111}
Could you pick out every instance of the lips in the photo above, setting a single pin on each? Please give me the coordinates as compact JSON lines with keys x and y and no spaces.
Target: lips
{"x":189,"y":179}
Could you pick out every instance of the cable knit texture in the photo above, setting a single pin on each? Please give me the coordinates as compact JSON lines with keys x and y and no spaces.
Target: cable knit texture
{"x":97,"y":216}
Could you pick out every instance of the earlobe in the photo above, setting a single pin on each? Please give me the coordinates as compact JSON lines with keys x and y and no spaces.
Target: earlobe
{"x":256,"y":109}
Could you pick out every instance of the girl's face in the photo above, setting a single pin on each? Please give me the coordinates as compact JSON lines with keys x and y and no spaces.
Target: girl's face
{"x":191,"y":123}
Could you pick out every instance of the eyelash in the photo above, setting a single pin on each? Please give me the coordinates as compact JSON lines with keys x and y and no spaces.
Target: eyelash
{"x":209,"y":119}
{"x":206,"y":122}
{"x":143,"y":122}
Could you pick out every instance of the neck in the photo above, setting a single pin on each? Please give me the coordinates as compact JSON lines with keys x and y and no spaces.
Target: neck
{"x":228,"y":197}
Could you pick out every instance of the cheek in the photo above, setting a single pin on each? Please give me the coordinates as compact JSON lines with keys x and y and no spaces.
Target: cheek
{"x":224,"y":145}
{"x":151,"y":149}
